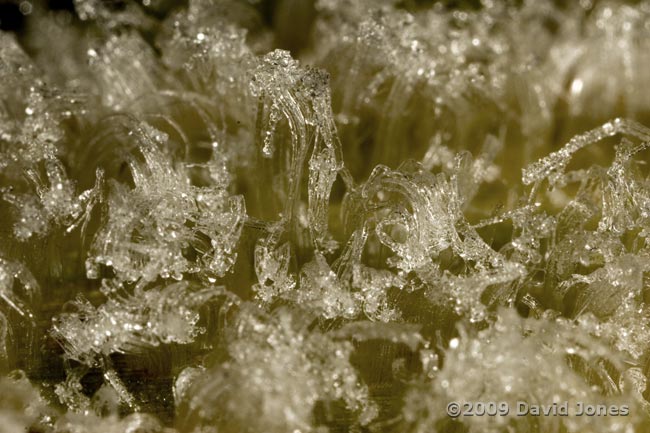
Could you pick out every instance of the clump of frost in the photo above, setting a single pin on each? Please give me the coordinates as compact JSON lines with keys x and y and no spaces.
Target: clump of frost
{"x":342,"y":290}
{"x":272,"y":271}
{"x":125,"y":324}
{"x":132,"y":323}
{"x":32,"y":132}
{"x":626,"y":329}
{"x":613,"y":43}
{"x":537,"y":361}
{"x":21,"y":404}
{"x":273,"y":379}
{"x":54,"y":202}
{"x":419,"y":216}
{"x":211,"y":58}
{"x":125,"y":68}
{"x":165,"y":226}
{"x":420,"y":84}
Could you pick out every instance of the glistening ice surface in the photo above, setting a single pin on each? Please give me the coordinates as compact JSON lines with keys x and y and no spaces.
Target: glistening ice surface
{"x":312,"y":216}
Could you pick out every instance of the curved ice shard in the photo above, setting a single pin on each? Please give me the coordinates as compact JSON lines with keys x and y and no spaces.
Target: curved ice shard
{"x":553,"y":165}
{"x":301,"y":98}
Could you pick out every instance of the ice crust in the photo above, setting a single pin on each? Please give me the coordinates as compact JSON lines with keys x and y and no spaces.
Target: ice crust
{"x":420,"y":203}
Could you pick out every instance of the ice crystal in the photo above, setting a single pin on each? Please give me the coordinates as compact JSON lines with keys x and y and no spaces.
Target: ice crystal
{"x":574,"y":370}
{"x":280,"y":371}
{"x":124,"y":324}
{"x":54,"y":202}
{"x":165,"y":226}
{"x":553,"y":165}
{"x":347,"y":292}
{"x":15,"y":275}
{"x":300,"y":97}
{"x":21,"y":404}
{"x":121,"y":79}
{"x":32,"y":112}
{"x":616,"y":34}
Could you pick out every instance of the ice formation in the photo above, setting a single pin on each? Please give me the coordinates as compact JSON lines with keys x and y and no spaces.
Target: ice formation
{"x":315,"y":216}
{"x":166,"y":226}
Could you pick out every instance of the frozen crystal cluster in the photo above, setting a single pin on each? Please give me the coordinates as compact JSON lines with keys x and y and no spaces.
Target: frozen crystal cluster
{"x":312,"y":216}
